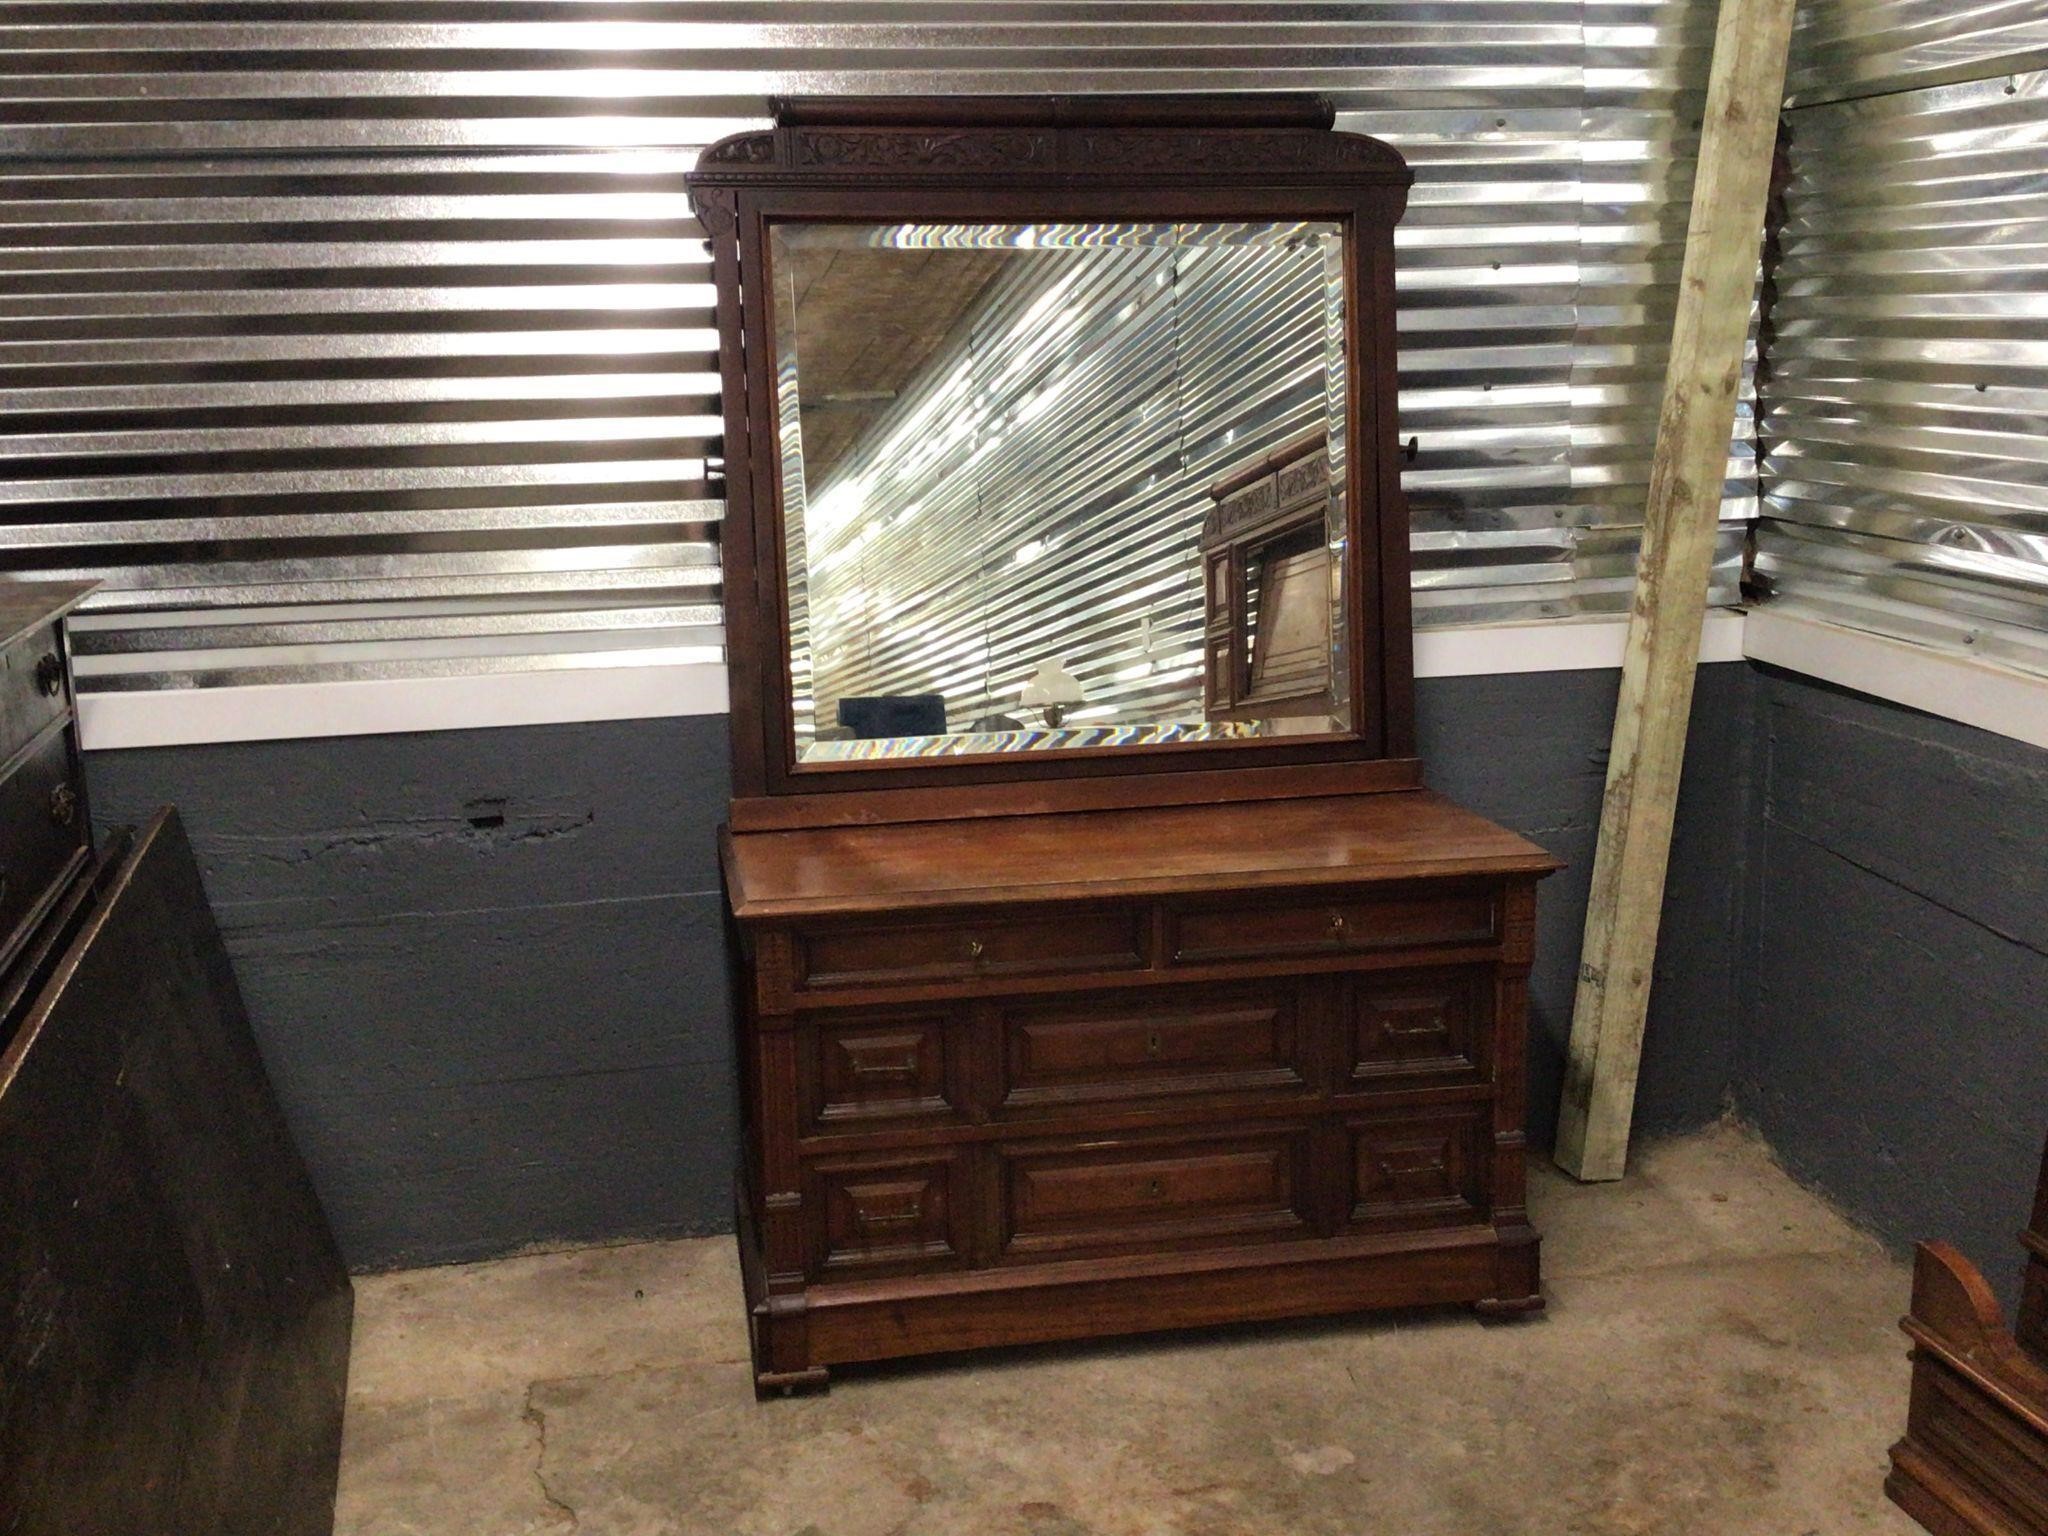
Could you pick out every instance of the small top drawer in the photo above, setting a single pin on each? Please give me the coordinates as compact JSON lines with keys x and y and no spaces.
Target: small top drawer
{"x":993,"y":946}
{"x":33,"y":689}
{"x":1249,"y":927}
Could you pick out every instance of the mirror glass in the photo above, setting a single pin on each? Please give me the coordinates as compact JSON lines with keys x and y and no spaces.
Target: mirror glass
{"x":1057,"y":485}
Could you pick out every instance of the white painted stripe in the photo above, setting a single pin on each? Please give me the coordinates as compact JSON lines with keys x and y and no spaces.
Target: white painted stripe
{"x":278,"y":711}
{"x":275,"y":711}
{"x":1555,"y":645}
{"x":1961,"y":688}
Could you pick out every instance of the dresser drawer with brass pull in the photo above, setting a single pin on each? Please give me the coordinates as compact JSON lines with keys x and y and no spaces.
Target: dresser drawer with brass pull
{"x":1419,"y":1169}
{"x":888,"y":1212}
{"x":953,"y":948}
{"x":1409,"y":1028}
{"x":1294,"y":925}
{"x":871,"y":1070}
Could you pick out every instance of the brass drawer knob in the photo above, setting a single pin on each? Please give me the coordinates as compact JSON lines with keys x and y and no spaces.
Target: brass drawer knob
{"x":1153,"y":1044}
{"x":1337,"y":924}
{"x":976,"y":949}
{"x":64,"y":805}
{"x":1156,"y":1188}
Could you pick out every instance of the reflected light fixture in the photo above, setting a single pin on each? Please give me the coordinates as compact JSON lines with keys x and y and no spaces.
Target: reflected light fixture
{"x":1053,"y":690}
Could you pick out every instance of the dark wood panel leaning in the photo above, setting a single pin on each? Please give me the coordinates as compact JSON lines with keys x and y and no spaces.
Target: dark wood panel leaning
{"x":1974,"y":1460}
{"x":176,"y":1316}
{"x":1213,"y":1025}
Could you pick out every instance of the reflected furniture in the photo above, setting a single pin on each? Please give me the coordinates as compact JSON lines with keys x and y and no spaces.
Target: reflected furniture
{"x":1134,"y":1009}
{"x":1267,"y":588}
{"x":174,"y":1316}
{"x":1974,"y":1460}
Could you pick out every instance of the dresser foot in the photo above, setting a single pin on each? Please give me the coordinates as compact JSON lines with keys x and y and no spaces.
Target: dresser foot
{"x":1506,"y":1309}
{"x":769,"y":1385}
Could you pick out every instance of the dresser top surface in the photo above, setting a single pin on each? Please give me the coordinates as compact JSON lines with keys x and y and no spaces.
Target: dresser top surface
{"x":27,"y":605}
{"x":1347,"y":839}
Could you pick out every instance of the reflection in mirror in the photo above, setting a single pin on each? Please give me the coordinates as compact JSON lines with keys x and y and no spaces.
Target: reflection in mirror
{"x":1061,"y":485}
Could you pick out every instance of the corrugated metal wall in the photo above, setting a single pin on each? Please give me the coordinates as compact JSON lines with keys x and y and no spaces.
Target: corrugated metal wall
{"x":353,"y":338}
{"x":1907,"y":468}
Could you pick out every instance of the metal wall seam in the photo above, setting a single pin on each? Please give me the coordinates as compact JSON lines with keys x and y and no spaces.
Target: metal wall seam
{"x":341,"y":343}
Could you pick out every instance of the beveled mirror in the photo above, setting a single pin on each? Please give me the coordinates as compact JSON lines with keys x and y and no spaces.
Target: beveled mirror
{"x":997,"y":446}
{"x":1053,"y":448}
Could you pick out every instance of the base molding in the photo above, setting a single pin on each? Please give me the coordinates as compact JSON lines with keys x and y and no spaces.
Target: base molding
{"x":1044,"y":1303}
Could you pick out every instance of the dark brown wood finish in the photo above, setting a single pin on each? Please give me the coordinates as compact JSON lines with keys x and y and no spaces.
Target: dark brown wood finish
{"x":1048,"y":158}
{"x":1974,"y":1460}
{"x":174,"y":1318}
{"x":45,"y":823}
{"x":1050,"y":1045}
{"x":1088,"y":1042}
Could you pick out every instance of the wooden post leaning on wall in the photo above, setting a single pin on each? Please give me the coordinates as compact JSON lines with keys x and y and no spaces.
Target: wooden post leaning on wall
{"x":1703,"y":378}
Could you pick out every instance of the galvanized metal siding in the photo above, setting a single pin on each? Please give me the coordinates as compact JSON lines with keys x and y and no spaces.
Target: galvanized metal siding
{"x":404,"y":252}
{"x":1843,"y":49}
{"x":1906,"y":479}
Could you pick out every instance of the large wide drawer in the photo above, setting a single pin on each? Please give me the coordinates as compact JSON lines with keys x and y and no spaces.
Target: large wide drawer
{"x":954,"y":948}
{"x":1143,"y":1044}
{"x":1107,"y":1194}
{"x":1251,"y":926}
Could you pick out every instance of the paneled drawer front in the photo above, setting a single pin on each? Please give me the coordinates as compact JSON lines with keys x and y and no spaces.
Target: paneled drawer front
{"x":955,"y":949}
{"x":878,"y":1068}
{"x":1402,"y":1026}
{"x":886,"y":1212}
{"x":42,"y":825}
{"x":1423,"y":1169}
{"x":1145,"y":1045}
{"x":1122,"y":1193}
{"x":31,"y":688}
{"x":1250,"y":927}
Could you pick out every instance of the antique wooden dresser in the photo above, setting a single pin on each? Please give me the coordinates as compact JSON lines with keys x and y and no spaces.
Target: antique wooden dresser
{"x":174,"y":1315}
{"x":1151,"y":1011}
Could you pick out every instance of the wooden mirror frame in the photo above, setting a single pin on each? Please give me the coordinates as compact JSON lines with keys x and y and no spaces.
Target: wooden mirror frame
{"x":984,"y":159}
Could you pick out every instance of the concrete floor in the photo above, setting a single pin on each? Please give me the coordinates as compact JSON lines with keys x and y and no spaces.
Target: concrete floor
{"x":1720,"y":1357}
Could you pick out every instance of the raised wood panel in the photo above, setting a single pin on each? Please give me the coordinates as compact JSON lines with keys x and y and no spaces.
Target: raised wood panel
{"x":886,"y":1213}
{"x":1337,"y":922}
{"x":1403,"y":1027}
{"x":1148,"y":1044}
{"x":882,"y":1068}
{"x":986,"y":947}
{"x":1115,"y":1194}
{"x":1417,"y":1170}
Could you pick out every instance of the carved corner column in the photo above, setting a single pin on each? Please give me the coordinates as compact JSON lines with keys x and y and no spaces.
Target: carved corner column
{"x":781,"y":1327}
{"x":1519,"y":1290}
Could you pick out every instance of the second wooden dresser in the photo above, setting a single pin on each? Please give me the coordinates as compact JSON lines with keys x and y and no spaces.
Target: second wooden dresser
{"x":1036,"y":1077}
